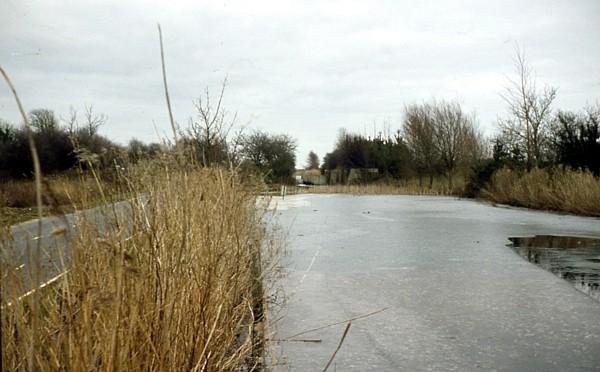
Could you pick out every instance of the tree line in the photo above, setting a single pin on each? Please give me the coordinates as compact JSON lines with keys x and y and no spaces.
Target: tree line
{"x":208,"y":138}
{"x":216,"y":139}
{"x":438,"y":138}
{"x":60,"y":143}
{"x":533,"y":134}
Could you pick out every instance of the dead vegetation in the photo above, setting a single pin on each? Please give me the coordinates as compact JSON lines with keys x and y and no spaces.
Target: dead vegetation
{"x":64,"y":193}
{"x":563,"y":190}
{"x":172,"y":280}
{"x":439,"y":186}
{"x":176,"y":285}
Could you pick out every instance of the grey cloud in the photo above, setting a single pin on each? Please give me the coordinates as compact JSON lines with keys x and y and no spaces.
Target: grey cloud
{"x":307,"y":68}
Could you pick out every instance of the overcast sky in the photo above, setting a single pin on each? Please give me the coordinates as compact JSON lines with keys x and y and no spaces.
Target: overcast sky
{"x":305,"y":68}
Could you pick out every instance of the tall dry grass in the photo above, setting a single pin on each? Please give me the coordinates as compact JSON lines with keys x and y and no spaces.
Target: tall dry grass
{"x":174,"y":282}
{"x":62,"y":190}
{"x":60,"y":193}
{"x":405,"y":187}
{"x":563,"y":190}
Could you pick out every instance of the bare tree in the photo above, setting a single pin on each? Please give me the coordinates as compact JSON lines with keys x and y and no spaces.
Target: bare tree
{"x":455,"y":135}
{"x":475,"y":145}
{"x":43,"y":120}
{"x":83,"y":133}
{"x":71,"y":122}
{"x":211,"y":129}
{"x":93,"y":121}
{"x":529,"y":111}
{"x":419,"y":132}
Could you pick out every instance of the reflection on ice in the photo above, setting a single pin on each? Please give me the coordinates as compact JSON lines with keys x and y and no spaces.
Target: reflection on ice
{"x":575,"y":259}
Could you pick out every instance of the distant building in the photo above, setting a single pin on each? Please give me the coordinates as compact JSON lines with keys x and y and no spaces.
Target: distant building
{"x":314,"y":179}
{"x":310,"y":177}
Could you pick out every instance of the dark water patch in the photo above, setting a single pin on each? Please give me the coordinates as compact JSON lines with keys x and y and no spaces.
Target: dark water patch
{"x":575,"y":259}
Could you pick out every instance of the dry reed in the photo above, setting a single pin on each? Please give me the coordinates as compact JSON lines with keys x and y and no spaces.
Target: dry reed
{"x":406,"y":187}
{"x":65,"y":193}
{"x":175,"y":282}
{"x":65,"y":190}
{"x":563,"y":190}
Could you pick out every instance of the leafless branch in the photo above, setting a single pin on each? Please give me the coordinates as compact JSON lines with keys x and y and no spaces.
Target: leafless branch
{"x":336,"y":323}
{"x":529,"y":110}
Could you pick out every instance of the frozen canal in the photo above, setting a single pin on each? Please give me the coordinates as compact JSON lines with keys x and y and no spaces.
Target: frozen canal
{"x":455,"y":296}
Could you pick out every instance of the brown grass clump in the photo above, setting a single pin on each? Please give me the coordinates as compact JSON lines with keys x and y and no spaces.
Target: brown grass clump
{"x":172,"y":282}
{"x":404,"y":187}
{"x":564,"y":190}
{"x":17,"y":194}
{"x":64,"y":193}
{"x":60,"y":189}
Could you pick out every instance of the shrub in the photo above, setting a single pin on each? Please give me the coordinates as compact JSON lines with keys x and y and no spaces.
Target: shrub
{"x":560,"y":189}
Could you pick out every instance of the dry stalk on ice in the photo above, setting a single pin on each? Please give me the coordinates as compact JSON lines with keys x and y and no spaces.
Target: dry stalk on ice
{"x":338,"y":347}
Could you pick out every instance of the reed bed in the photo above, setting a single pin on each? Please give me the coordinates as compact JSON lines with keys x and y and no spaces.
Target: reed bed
{"x":407,"y":187}
{"x":564,"y":190}
{"x":62,"y":192}
{"x":173,"y":282}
